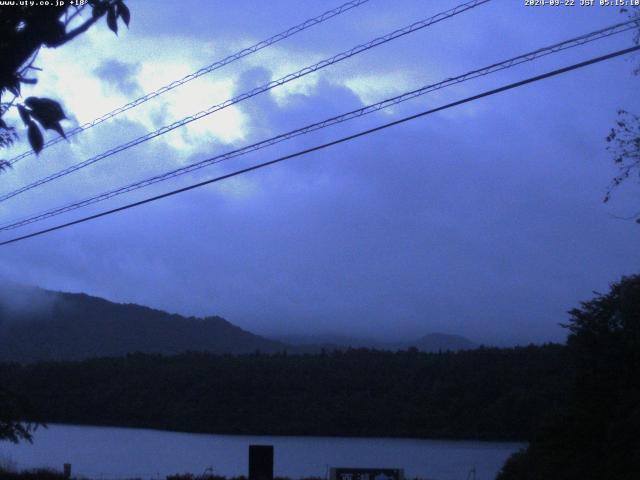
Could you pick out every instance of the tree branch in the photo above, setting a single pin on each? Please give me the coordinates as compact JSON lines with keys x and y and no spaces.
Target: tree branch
{"x":74,"y":14}
{"x":75,"y":32}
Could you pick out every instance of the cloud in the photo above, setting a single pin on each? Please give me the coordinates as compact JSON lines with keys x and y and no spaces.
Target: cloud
{"x":484,"y":220}
{"x":22,"y":302}
{"x":120,"y":76}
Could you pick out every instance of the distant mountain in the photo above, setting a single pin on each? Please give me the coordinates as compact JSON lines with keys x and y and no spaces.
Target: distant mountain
{"x":443,"y":342}
{"x":433,"y":342}
{"x":313,"y":343}
{"x":39,"y":325}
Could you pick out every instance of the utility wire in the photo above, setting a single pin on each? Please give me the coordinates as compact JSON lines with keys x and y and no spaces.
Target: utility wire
{"x":330,"y":144}
{"x":203,"y":71}
{"x":530,"y":56}
{"x":268,"y":86}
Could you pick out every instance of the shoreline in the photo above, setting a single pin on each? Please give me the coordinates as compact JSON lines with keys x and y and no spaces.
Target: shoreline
{"x":494,"y":441}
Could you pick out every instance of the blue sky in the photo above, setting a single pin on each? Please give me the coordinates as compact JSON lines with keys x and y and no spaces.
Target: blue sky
{"x":485,"y":220}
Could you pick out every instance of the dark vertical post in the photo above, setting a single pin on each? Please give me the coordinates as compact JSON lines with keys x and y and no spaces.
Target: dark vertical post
{"x":66,"y":471}
{"x":260,"y":462}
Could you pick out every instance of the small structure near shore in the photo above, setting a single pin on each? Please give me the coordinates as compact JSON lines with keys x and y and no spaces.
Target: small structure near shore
{"x":260,"y":462}
{"x":366,"y":474}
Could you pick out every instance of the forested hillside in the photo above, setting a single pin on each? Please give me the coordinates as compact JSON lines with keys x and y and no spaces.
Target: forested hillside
{"x":596,"y":435}
{"x":432,"y":342}
{"x":38,"y":325}
{"x":484,"y":393}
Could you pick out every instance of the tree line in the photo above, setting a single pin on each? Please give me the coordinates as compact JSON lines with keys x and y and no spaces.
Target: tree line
{"x":596,"y":433}
{"x":488,"y":393}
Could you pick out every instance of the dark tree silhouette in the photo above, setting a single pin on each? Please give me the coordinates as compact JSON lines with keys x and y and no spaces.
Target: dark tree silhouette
{"x":487,"y":393}
{"x":14,"y":407}
{"x":596,"y":437}
{"x":624,"y":138}
{"x":23,"y":31}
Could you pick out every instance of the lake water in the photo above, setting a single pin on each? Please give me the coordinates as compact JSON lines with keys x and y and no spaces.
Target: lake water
{"x":118,"y":453}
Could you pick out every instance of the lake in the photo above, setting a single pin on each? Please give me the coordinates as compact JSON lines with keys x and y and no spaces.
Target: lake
{"x":118,"y":453}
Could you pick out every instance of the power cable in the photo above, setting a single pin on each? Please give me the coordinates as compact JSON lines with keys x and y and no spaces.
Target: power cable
{"x":275,"y":83}
{"x":329,"y":144}
{"x":203,"y":71}
{"x":530,"y":56}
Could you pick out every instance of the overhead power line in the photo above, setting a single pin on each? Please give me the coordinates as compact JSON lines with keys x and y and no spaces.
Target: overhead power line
{"x":256,"y":91}
{"x":330,"y":144}
{"x":527,"y":57}
{"x":203,"y":71}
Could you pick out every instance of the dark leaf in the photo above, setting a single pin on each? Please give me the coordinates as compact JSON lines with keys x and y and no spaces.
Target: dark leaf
{"x":124,"y":13}
{"x":45,"y":108}
{"x":48,"y":112}
{"x":3,"y":124}
{"x":58,"y":128}
{"x":98,"y":8}
{"x":112,"y":20}
{"x":31,"y":81}
{"x":35,"y":137}
{"x":52,"y":32}
{"x":24,"y":114}
{"x":13,"y":86}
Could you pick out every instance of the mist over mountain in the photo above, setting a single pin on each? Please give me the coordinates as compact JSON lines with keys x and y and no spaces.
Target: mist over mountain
{"x":38,"y":325}
{"x":432,"y":342}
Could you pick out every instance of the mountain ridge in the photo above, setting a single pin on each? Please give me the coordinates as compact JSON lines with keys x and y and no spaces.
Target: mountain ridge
{"x":431,"y":342}
{"x":43,"y":325}
{"x":77,"y":326}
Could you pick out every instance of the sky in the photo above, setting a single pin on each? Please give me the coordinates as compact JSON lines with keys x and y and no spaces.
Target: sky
{"x":484,"y":220}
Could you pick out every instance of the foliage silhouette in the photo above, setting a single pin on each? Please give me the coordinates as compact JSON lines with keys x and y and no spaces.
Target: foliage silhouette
{"x":595,"y":437}
{"x":488,"y":393}
{"x":24,"y":29}
{"x":37,"y":474}
{"x":624,"y":137}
